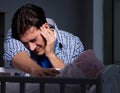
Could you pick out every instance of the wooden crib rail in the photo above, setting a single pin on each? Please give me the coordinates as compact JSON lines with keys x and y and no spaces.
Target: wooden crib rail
{"x":108,"y":81}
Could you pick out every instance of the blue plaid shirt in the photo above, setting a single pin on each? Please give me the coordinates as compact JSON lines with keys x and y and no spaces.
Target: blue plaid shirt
{"x":68,"y":47}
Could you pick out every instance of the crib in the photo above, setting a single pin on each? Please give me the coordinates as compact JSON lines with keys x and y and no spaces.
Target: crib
{"x":108,"y":81}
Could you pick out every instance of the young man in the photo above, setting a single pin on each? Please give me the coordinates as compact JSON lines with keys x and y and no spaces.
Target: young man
{"x":32,"y":36}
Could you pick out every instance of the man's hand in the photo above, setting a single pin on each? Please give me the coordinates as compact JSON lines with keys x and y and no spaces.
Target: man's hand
{"x":45,"y":72}
{"x":49,"y":36}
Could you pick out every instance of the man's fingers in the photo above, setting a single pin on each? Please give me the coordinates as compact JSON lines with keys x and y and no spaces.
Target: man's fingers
{"x":46,"y":72}
{"x":55,"y":71}
{"x":51,"y":72}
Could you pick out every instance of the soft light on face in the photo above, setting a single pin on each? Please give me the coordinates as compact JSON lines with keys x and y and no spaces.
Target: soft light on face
{"x":34,"y":41}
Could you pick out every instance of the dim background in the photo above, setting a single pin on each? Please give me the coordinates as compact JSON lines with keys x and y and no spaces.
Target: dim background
{"x":96,"y":22}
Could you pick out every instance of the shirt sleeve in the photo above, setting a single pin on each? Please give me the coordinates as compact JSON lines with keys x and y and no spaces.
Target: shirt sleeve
{"x":78,"y":48}
{"x":12,"y":47}
{"x":71,"y":47}
{"x":74,"y":48}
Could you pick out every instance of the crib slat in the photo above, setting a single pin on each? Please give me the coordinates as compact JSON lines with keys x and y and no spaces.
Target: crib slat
{"x":22,"y":87}
{"x":83,"y":88}
{"x":3,"y":85}
{"x":42,"y":87}
{"x":62,"y":88}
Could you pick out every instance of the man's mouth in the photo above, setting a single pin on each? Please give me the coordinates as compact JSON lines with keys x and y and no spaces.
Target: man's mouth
{"x":38,"y":49}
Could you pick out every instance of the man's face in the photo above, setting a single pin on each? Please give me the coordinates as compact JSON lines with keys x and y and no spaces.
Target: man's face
{"x":34,"y":41}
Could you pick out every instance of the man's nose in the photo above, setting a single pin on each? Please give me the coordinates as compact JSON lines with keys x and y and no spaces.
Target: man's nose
{"x":32,"y":46}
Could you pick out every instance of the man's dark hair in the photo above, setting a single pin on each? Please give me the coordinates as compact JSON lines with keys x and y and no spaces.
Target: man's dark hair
{"x":25,"y":17}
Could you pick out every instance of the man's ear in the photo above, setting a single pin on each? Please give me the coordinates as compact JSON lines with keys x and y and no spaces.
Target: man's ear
{"x":46,"y":25}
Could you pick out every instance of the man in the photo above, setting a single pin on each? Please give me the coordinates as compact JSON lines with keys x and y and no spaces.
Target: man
{"x":42,"y":41}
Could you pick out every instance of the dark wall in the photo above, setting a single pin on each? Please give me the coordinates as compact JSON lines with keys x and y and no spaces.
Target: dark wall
{"x":86,"y":23}
{"x":74,"y":16}
{"x":2,"y":25}
{"x":107,"y":32}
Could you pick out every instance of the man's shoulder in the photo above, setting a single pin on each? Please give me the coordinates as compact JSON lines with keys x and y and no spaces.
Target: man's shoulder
{"x":67,"y":38}
{"x":67,"y":34}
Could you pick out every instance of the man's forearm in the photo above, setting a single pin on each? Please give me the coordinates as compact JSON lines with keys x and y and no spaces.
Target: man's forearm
{"x":56,"y":62}
{"x":23,"y":62}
